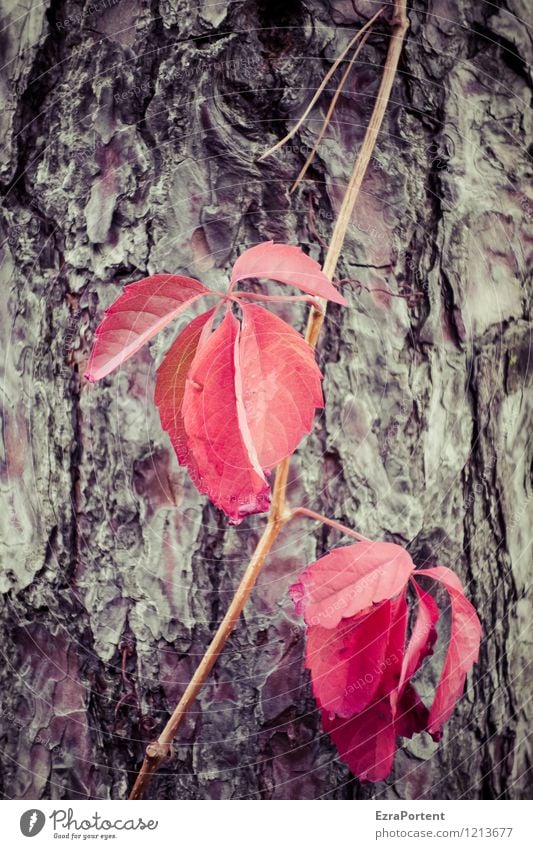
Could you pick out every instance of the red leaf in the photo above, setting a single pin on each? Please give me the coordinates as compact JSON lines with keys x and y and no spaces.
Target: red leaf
{"x":411,"y":714}
{"x":143,"y":309}
{"x":250,"y":394}
{"x":170,"y":386}
{"x":390,"y":679}
{"x":355,"y":605}
{"x":281,"y":384}
{"x":347,"y":662}
{"x":228,"y":469}
{"x":236,"y":402}
{"x":350,"y":579}
{"x":463,"y":649}
{"x":286,"y":264}
{"x":233,"y":430}
{"x":367,"y":741}
{"x":422,"y":637}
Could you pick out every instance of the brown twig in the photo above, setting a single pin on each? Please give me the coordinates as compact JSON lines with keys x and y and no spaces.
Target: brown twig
{"x":409,"y":294}
{"x":329,"y":113}
{"x":280,"y":514}
{"x":322,"y":86}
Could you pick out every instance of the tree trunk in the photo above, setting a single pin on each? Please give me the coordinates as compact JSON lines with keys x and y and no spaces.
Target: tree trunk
{"x":133,"y":133}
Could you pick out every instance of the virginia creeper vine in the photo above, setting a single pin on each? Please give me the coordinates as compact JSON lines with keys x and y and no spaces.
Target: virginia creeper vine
{"x":235,"y":398}
{"x":280,"y":513}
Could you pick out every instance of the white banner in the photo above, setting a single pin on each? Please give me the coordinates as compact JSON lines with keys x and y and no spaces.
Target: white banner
{"x":277,"y":825}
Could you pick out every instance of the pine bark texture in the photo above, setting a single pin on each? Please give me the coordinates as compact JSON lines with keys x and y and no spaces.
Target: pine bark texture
{"x":132,"y":133}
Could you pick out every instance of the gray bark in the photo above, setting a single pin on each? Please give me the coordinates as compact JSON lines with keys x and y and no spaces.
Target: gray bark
{"x":132,"y":135}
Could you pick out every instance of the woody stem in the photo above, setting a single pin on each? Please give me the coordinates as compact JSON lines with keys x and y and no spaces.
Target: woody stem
{"x":279,"y":513}
{"x":159,"y":749}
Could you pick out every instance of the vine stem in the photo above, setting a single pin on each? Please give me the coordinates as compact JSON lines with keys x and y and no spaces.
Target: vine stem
{"x":280,"y":299}
{"x":279,"y":513}
{"x":331,"y":109}
{"x":318,"y":517}
{"x":322,"y":86}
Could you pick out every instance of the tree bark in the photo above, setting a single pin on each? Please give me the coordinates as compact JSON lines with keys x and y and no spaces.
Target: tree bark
{"x":132,"y":134}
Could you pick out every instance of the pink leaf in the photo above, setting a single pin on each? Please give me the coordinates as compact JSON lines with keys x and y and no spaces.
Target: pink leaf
{"x":463,"y":649}
{"x":286,"y":264}
{"x":236,"y":402}
{"x":228,"y":469}
{"x":354,"y":601}
{"x":170,"y":385}
{"x":350,"y":579}
{"x":411,"y":715}
{"x":366,"y":742}
{"x":422,"y":637}
{"x":347,"y":662}
{"x":143,"y":309}
{"x":281,"y":384}
{"x":390,"y":679}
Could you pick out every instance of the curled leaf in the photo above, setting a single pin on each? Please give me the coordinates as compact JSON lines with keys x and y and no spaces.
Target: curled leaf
{"x":361,"y":661}
{"x":423,"y":635}
{"x":463,"y":647}
{"x":286,"y":264}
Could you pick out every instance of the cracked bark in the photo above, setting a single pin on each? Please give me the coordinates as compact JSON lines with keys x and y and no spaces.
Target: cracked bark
{"x":131,"y":146}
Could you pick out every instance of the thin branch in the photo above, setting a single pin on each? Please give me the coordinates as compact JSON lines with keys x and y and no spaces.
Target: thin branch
{"x":389,"y":72}
{"x":254,"y":296}
{"x":318,"y":517}
{"x":329,"y":113}
{"x":279,"y":513}
{"x":323,"y":85}
{"x":409,"y":294}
